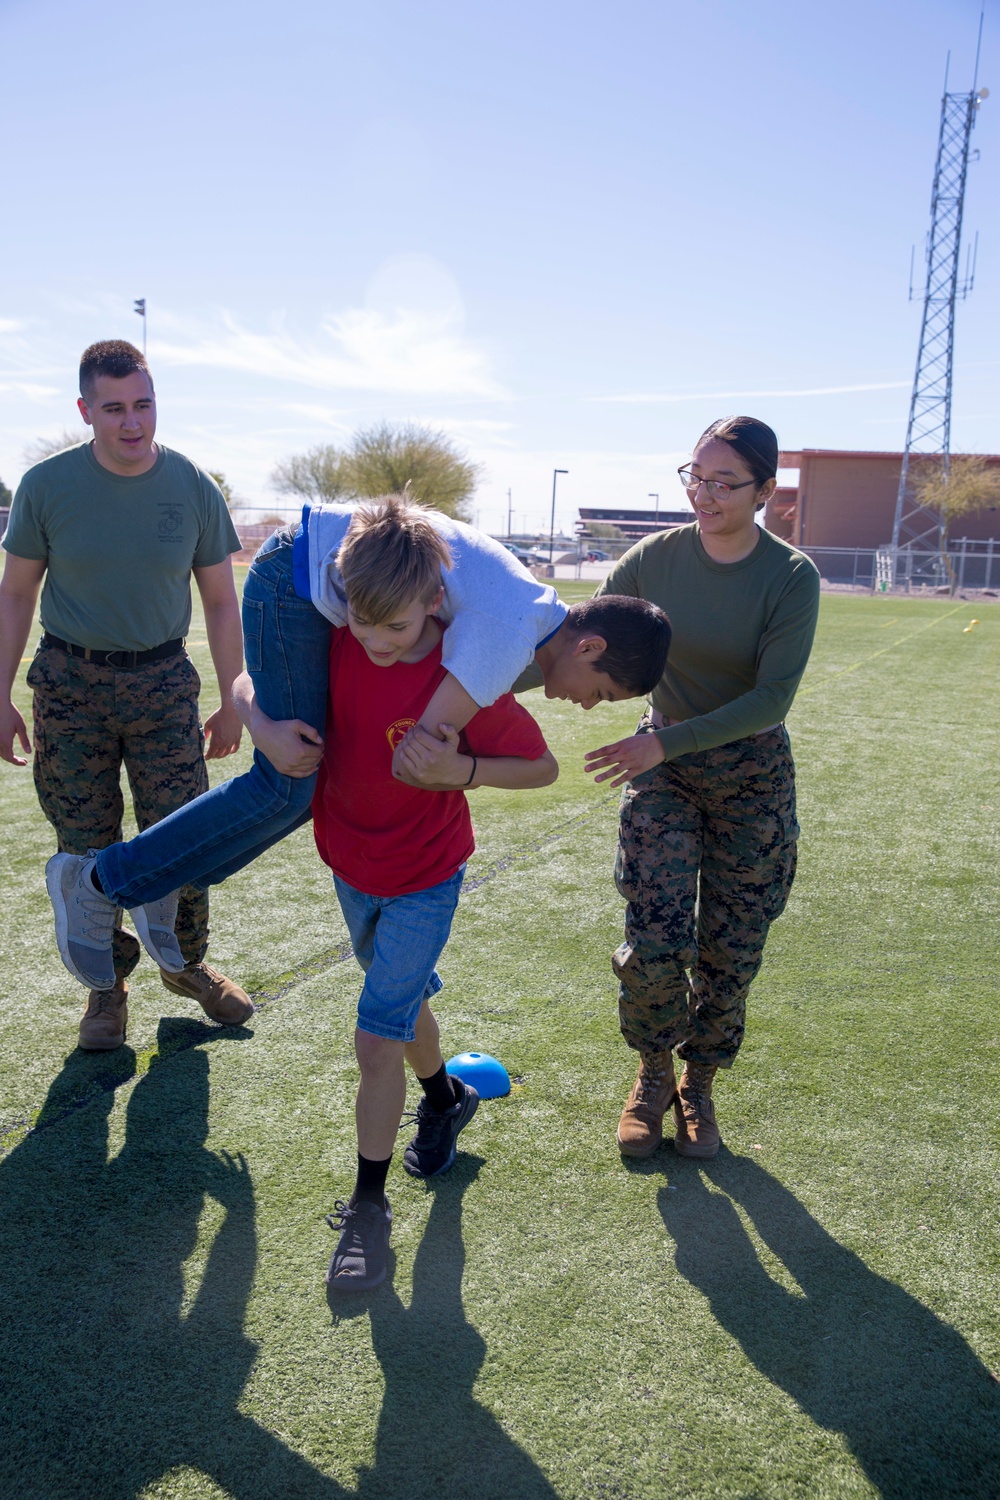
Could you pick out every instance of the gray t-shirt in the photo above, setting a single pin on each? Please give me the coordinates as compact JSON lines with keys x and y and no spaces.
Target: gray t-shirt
{"x":496,"y":612}
{"x":118,"y":551}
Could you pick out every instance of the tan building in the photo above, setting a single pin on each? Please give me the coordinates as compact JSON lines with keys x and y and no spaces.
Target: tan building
{"x":848,"y":500}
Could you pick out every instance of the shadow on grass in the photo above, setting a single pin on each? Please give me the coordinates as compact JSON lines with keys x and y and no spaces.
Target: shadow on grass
{"x":434,"y":1438}
{"x":862,"y":1357}
{"x":111,"y":1377}
{"x":88,"y":1075}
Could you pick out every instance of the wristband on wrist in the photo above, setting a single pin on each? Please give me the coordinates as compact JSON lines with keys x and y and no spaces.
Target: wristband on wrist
{"x":475,"y":763}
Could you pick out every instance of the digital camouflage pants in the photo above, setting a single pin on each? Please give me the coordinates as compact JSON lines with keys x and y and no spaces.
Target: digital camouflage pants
{"x":89,"y":721}
{"x":706,"y":859}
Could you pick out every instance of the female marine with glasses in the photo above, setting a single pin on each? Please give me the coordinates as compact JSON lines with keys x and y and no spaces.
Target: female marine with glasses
{"x":707,"y":844}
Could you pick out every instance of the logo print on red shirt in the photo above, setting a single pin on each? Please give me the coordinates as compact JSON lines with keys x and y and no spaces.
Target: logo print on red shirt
{"x":397,"y":731}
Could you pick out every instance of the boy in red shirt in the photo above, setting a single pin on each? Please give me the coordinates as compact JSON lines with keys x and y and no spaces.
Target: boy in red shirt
{"x":398,"y":852}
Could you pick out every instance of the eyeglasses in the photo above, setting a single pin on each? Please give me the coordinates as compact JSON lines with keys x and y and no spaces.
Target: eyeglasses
{"x":717,"y":488}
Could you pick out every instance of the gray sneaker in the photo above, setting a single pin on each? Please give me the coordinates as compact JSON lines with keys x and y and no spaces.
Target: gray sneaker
{"x":85,"y":920}
{"x":154,"y":922}
{"x":361,"y":1258}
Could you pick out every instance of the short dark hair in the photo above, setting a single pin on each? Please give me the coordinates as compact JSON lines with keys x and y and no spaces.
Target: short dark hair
{"x":754,"y":441}
{"x":114,"y":357}
{"x":637,"y":636}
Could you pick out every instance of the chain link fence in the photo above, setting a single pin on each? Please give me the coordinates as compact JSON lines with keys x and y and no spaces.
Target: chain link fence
{"x":967,"y":566}
{"x":972,"y":566}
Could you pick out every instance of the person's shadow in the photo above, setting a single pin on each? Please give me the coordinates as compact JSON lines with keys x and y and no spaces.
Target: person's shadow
{"x":862,"y":1357}
{"x":109,"y":1379}
{"x":434,"y":1439}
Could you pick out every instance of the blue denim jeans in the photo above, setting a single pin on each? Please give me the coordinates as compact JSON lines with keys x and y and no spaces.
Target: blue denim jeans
{"x":287,"y":645}
{"x":398,"y":940}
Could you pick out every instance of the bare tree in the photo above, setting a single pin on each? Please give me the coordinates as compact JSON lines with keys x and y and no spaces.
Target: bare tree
{"x":316,"y":475}
{"x":45,"y":447}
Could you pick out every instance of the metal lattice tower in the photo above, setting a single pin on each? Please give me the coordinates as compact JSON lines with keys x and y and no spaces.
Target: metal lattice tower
{"x":928,"y":431}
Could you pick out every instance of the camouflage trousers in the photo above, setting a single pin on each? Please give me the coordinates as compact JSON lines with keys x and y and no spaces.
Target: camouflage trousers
{"x":706,"y":859}
{"x":89,"y":721}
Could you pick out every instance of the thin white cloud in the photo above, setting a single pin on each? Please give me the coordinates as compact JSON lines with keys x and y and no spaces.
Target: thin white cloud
{"x":316,"y":416}
{"x":473,"y":430}
{"x":663,"y":399}
{"x":362,"y":349}
{"x":28,"y":388}
{"x":900,"y":421}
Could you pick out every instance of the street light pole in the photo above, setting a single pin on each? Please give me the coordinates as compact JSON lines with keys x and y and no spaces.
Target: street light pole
{"x":552,"y":525}
{"x":510,"y":512}
{"x":656,"y":517}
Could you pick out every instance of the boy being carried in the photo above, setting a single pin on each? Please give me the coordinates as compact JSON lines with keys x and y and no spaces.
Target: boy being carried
{"x":499,"y":619}
{"x":398,"y":852}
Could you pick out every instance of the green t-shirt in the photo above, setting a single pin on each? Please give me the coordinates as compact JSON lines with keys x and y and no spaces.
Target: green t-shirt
{"x":118,"y":551}
{"x":742,"y":633}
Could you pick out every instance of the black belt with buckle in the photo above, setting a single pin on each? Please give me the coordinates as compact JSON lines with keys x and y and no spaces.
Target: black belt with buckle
{"x":122,"y":661}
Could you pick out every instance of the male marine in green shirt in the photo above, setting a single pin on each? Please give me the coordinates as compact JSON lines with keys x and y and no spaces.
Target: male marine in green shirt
{"x":116,"y":528}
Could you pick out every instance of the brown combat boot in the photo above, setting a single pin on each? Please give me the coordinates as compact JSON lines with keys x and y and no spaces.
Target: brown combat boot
{"x":103,"y":1023}
{"x":219,"y":997}
{"x":640,"y":1129}
{"x":694,"y":1112}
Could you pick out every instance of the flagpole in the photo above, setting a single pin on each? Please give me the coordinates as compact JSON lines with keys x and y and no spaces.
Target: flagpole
{"x":139,"y":305}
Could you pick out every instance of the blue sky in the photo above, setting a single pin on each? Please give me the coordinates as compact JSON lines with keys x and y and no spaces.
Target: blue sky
{"x":567,"y":234}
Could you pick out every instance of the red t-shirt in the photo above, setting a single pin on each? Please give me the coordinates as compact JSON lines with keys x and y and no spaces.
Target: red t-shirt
{"x":381,"y":836}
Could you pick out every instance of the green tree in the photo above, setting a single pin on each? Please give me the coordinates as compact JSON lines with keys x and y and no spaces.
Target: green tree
{"x":6,"y":498}
{"x":604,"y":529}
{"x":971,"y":484}
{"x":229,"y":494}
{"x":384,"y":460}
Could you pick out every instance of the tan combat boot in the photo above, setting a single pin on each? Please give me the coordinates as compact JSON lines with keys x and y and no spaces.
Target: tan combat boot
{"x":694,"y":1112}
{"x":219,"y":997}
{"x":103,"y":1023}
{"x":640,"y":1129}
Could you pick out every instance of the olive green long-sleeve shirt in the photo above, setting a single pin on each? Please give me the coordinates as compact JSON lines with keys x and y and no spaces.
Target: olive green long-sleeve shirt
{"x":742,"y":633}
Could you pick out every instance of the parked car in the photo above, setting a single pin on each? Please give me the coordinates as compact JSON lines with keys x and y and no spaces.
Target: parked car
{"x":527,"y":558}
{"x":596,"y":555}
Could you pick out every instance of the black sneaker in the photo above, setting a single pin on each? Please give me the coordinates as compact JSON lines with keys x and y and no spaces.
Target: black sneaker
{"x":360,"y":1260}
{"x":433,"y":1148}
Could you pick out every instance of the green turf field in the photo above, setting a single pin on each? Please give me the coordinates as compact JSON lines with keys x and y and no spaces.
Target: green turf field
{"x":814,"y":1314}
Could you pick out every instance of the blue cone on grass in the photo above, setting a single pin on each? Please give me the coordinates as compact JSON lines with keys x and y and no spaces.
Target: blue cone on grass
{"x":488,"y":1077}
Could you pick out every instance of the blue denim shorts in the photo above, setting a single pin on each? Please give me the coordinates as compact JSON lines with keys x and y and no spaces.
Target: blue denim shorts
{"x":397,"y":941}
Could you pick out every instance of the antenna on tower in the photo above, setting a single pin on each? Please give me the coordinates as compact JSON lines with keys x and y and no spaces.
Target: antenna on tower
{"x":918,"y":530}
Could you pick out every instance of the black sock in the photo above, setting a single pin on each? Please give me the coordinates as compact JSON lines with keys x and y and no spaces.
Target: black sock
{"x":440,"y":1091}
{"x":95,"y":880}
{"x":370,"y":1186}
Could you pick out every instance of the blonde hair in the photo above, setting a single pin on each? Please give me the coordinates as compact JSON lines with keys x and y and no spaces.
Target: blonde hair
{"x":390,"y":556}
